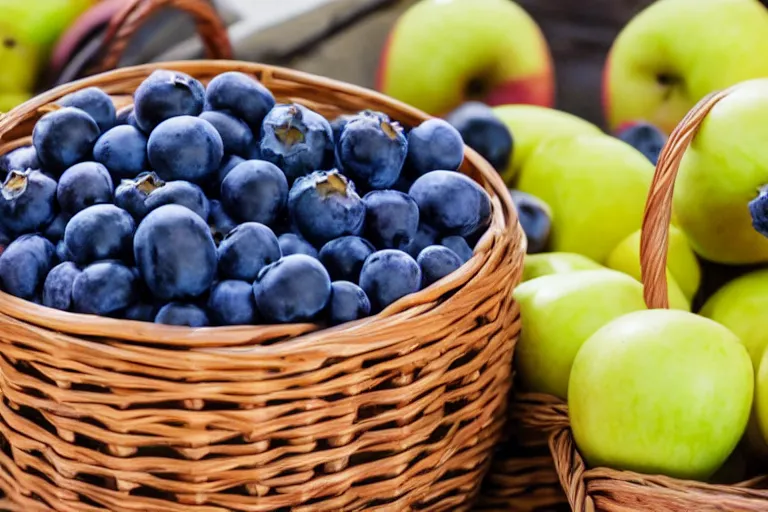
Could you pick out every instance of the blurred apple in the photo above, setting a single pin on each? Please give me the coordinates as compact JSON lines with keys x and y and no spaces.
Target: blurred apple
{"x":537,"y":265}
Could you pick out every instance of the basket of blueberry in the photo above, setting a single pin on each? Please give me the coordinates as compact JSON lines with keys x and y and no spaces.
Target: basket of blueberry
{"x":228,"y":286}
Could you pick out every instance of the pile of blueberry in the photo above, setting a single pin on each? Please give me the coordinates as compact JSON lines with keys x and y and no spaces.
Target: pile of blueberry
{"x":218,"y":206}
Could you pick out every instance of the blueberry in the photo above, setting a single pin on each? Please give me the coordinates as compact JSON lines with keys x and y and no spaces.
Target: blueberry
{"x":104,"y":288}
{"x":535,"y":218}
{"x":371,"y":151}
{"x":24,"y":264}
{"x":452,"y":203}
{"x":27,"y":201}
{"x":246,"y":250}
{"x":233,"y":303}
{"x":295,"y":139}
{"x":182,"y":315}
{"x":236,"y":136}
{"x":182,"y":193}
{"x":242,"y":95}
{"x":758,"y":209}
{"x":20,"y":159}
{"x":434,"y":145}
{"x":458,"y":245}
{"x":55,"y":230}
{"x":425,"y":236}
{"x":141,"y":312}
{"x":291,"y":243}
{"x":226,"y":166}
{"x":220,"y":223}
{"x":436,"y":262}
{"x":255,"y":191}
{"x":391,"y":218}
{"x":96,"y":103}
{"x":175,"y":253}
{"x":338,"y":124}
{"x":57,"y":289}
{"x":99,"y":232}
{"x":125,"y":115}
{"x":295,"y":288}
{"x":185,"y":148}
{"x":348,"y":303}
{"x":645,"y":138}
{"x":344,"y":257}
{"x":62,"y":253}
{"x":388,"y":276}
{"x":83,"y":185}
{"x":166,"y":94}
{"x":123,"y":150}
{"x":324,"y":205}
{"x":131,"y":195}
{"x":5,"y":239}
{"x":484,"y":132}
{"x":64,"y":137}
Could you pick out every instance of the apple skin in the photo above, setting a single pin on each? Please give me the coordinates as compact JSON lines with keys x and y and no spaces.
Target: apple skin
{"x":547,"y":263}
{"x":596,"y":187}
{"x":660,"y":392}
{"x":675,"y":52}
{"x":720,"y":173}
{"x":439,"y":50}
{"x":532,"y":125}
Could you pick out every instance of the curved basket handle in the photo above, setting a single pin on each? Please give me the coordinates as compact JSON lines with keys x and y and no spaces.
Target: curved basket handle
{"x":654,"y":236}
{"x":124,"y":25}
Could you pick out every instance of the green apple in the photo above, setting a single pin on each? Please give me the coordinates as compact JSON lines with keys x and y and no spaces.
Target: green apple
{"x":441,"y":53}
{"x":675,"y":52}
{"x":717,"y":199}
{"x":660,"y":392}
{"x":546,"y":263}
{"x":531,"y":125}
{"x":682,"y":265}
{"x":558,"y":313}
{"x":595,"y":185}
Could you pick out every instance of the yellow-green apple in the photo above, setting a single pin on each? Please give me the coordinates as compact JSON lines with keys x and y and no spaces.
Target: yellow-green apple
{"x":441,"y":53}
{"x":546,"y":263}
{"x":682,"y":264}
{"x":660,"y":392}
{"x":675,"y":52}
{"x":532,"y":125}
{"x":559,"y":312}
{"x":718,"y":199}
{"x":595,"y":185}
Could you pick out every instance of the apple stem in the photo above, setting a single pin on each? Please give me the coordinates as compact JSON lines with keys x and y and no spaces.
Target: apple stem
{"x":758,"y":209}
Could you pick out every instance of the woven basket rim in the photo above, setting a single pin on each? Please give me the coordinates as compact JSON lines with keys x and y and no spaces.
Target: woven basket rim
{"x":504,"y":218}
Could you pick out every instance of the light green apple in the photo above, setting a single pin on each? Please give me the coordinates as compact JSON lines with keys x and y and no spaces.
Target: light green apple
{"x":546,"y":263}
{"x":595,"y":185}
{"x":660,"y":392}
{"x":721,"y":173}
{"x":531,"y":125}
{"x":675,"y":52}
{"x":441,"y":53}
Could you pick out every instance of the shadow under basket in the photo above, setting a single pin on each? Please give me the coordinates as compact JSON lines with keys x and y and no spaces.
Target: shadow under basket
{"x":396,"y":412}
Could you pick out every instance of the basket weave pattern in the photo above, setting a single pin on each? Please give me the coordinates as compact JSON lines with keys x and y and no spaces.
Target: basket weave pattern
{"x":391,"y":413}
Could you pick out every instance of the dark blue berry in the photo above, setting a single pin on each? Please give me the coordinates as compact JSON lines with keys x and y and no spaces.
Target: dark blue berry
{"x":344,"y":257}
{"x":242,"y":95}
{"x":236,"y":136}
{"x":226,"y":166}
{"x":434,"y":145}
{"x":458,"y":245}
{"x":295,"y":139}
{"x":295,"y":288}
{"x":58,"y":286}
{"x":535,"y":218}
{"x":96,"y":103}
{"x":645,"y":138}
{"x":348,"y":303}
{"x":5,"y":239}
{"x":436,"y":262}
{"x":182,"y":193}
{"x":131,"y":195}
{"x":182,"y":315}
{"x":123,"y":150}
{"x":64,"y":137}
{"x":123,"y":115}
{"x":255,"y":191}
{"x":175,"y":253}
{"x":166,"y":94}
{"x":391,"y":218}
{"x":338,"y":124}
{"x":141,"y":312}
{"x":27,"y":201}
{"x":758,"y":209}
{"x":371,"y":151}
{"x":388,"y":276}
{"x":62,"y":253}
{"x":246,"y":250}
{"x":451,"y":203}
{"x":291,"y":243}
{"x":104,"y":288}
{"x":99,"y":232}
{"x":83,"y":185}
{"x":24,"y":264}
{"x":484,"y":132}
{"x":233,"y":303}
{"x":220,"y":222}
{"x":185,"y":148}
{"x":425,"y":236}
{"x":324,"y":205}
{"x":55,"y":230}
{"x":20,"y":159}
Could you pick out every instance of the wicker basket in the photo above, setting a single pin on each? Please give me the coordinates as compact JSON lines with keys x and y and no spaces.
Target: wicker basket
{"x":399,"y":411}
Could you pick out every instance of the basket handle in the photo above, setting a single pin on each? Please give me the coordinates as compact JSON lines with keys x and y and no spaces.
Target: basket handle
{"x":125,"y":23}
{"x":654,"y":236}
